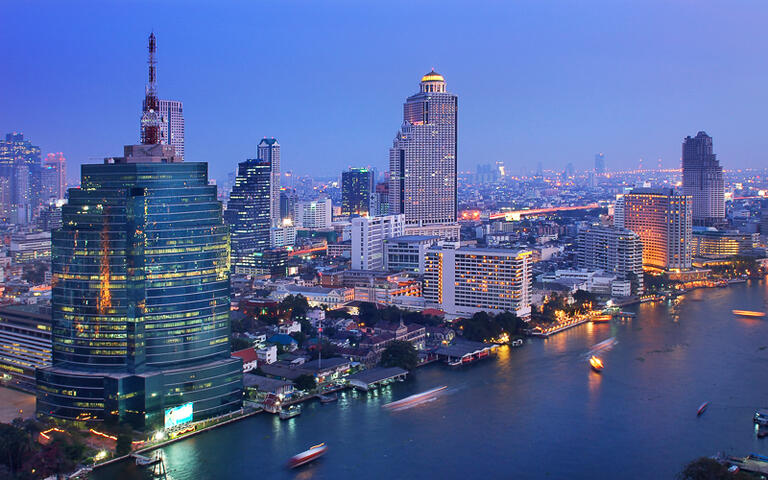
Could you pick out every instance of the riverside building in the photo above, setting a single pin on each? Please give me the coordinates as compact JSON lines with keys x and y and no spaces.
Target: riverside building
{"x":422,"y":161}
{"x":141,"y":295}
{"x":464,"y":280}
{"x":663,"y":220}
{"x":703,"y":180}
{"x":614,"y":250}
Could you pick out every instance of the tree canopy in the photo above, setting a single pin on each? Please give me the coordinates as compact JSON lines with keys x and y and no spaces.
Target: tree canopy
{"x":400,"y":354}
{"x":482,"y":326}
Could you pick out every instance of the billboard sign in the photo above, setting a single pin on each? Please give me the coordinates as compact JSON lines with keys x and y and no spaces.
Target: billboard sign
{"x":178,"y":415}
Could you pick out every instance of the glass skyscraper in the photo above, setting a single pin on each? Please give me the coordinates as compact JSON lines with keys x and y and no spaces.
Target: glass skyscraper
{"x":356,"y":191}
{"x":269,"y":150}
{"x":703,"y":180}
{"x":422,"y":160}
{"x":141,"y":296}
{"x":248,"y":209}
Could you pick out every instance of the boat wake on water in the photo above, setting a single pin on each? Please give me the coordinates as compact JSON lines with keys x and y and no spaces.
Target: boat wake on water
{"x":415,"y":400}
{"x":602,"y":347}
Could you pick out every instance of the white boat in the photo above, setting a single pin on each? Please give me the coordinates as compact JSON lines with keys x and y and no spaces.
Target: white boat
{"x":307,"y":456}
{"x":415,"y":398}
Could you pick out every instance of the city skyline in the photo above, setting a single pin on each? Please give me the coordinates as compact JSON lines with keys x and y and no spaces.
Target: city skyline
{"x":606,"y":108}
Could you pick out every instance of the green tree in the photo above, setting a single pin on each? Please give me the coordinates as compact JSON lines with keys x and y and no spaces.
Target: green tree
{"x":305,"y":382}
{"x":238,"y":343}
{"x":708,"y":469}
{"x":369,"y":314}
{"x":123,"y":444}
{"x":15,"y":446}
{"x":400,"y":354}
{"x":295,"y":306}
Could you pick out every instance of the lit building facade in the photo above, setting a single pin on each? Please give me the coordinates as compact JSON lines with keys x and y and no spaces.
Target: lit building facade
{"x":717,"y":244}
{"x":466,"y":280}
{"x":248,"y":209}
{"x":141,"y":296}
{"x":368,"y":236}
{"x":25,"y":343}
{"x":663,"y":220}
{"x":407,"y":253}
{"x":703,"y":180}
{"x":172,"y":118}
{"x":53,"y":177}
{"x":422,"y":160}
{"x":356,"y":191}
{"x":314,"y":214}
{"x":269,"y":151}
{"x":20,"y":163}
{"x":614,"y":250}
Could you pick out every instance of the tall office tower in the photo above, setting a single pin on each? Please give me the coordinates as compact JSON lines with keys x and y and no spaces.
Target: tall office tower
{"x":703,"y":180}
{"x":54,"y":177}
{"x":599,"y":163}
{"x":172,"y":123}
{"x":356,"y":191}
{"x":614,"y":250}
{"x":663,"y":219}
{"x":6,"y":207}
{"x":248,"y":209}
{"x":269,"y":150}
{"x":288,"y":200}
{"x":380,"y":202}
{"x":463,"y":281}
{"x":368,"y":236}
{"x":314,"y":214}
{"x":422,"y":160}
{"x":141,"y":297}
{"x":20,"y":163}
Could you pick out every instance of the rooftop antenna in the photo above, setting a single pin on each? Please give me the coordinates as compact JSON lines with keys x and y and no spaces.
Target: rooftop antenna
{"x":150,"y":117}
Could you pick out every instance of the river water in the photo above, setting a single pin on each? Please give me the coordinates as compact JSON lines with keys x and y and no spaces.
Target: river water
{"x":532,"y":412}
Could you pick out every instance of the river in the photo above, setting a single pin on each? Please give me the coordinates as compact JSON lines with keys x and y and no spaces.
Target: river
{"x":533,"y":412}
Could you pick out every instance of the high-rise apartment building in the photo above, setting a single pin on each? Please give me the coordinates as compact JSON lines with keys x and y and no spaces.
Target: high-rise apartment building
{"x":422,"y":160}
{"x":269,"y":150}
{"x":663,"y":220}
{"x":368,"y":236}
{"x":614,"y":250}
{"x":357,"y":191}
{"x":20,"y":163}
{"x":703,"y":180}
{"x":248,"y":209}
{"x":465,"y":280}
{"x":314,"y":214}
{"x":53,"y":177}
{"x":599,"y":163}
{"x":172,"y":118}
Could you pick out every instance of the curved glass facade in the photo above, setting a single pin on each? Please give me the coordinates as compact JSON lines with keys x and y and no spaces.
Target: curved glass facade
{"x":140,"y":298}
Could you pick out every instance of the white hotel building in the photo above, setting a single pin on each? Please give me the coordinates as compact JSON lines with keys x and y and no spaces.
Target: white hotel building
{"x":463,"y":281}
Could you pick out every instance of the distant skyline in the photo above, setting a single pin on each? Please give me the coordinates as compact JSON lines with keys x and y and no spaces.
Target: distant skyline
{"x":554,"y":82}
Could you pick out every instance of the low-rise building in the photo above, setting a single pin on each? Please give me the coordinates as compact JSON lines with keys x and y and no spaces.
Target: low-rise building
{"x":406,"y":253}
{"x":249,"y":357}
{"x":267,"y":355}
{"x":28,"y":247}
{"x":316,"y":296}
{"x":711,"y":243}
{"x":25,"y":343}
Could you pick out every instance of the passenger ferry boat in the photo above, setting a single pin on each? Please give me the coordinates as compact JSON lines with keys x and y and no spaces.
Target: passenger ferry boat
{"x":596,"y":364}
{"x":290,"y":412}
{"x":307,"y":456}
{"x":415,"y":398}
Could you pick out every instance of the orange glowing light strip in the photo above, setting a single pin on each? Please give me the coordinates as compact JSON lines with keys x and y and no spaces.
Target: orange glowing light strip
{"x":539,"y":211}
{"x":111,"y":437}
{"x":748,"y":313}
{"x":307,"y":250}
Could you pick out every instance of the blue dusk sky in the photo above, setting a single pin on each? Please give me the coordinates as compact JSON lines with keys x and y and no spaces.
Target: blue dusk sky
{"x":549,"y":81}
